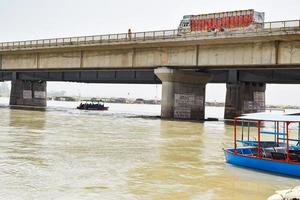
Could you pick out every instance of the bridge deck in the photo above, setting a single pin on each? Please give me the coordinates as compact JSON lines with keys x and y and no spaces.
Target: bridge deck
{"x":277,"y":28}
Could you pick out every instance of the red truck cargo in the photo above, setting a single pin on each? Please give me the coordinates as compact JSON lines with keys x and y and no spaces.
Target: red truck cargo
{"x":227,"y":21}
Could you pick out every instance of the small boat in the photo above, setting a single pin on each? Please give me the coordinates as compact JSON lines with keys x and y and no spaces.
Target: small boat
{"x":276,"y":147}
{"x":92,"y":105}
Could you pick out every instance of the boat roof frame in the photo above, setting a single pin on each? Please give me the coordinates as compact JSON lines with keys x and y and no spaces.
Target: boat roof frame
{"x":272,"y":117}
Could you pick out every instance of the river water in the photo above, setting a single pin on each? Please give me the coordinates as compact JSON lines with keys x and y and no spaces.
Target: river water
{"x":64,"y":153}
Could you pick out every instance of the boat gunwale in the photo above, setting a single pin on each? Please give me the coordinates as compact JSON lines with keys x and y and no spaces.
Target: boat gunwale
{"x":262,"y":158}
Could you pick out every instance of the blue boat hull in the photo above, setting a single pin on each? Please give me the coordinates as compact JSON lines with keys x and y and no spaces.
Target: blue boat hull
{"x":282,"y":167}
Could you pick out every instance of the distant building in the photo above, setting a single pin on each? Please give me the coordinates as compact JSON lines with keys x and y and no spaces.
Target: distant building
{"x":139,"y":101}
{"x":64,"y":99}
{"x":151,"y":101}
{"x":61,"y":93}
{"x":143,"y":101}
{"x":120,"y":100}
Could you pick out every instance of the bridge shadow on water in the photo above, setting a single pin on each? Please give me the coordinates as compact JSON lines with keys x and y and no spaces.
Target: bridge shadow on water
{"x":179,"y":169}
{"x":26,"y":134}
{"x":31,"y":119}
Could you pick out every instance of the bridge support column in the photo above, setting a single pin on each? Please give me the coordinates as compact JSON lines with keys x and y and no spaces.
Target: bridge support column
{"x":28,"y":93}
{"x":244,"y":97}
{"x":183,"y":93}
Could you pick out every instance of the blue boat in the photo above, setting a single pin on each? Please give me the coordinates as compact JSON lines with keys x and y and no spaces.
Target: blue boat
{"x":276,"y":144}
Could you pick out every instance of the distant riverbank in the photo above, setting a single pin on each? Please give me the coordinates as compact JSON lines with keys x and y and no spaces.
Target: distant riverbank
{"x":155,"y":101}
{"x":149,"y":101}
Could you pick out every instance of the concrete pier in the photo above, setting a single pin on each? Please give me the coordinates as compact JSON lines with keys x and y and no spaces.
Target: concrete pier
{"x":244,"y":97}
{"x":28,"y":93}
{"x":183,"y":93}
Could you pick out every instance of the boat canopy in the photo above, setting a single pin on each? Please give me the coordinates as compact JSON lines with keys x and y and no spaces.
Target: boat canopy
{"x":274,"y":117}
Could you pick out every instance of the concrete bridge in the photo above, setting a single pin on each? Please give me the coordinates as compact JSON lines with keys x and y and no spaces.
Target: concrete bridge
{"x":183,"y":62}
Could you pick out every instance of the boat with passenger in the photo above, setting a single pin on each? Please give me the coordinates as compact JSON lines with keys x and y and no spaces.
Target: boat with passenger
{"x":273,"y":146}
{"x":92,"y":105}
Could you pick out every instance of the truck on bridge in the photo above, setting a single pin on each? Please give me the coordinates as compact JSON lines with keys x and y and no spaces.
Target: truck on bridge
{"x":233,"y":20}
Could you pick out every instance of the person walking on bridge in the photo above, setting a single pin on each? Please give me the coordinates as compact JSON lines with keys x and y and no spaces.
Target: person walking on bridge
{"x":129,"y":34}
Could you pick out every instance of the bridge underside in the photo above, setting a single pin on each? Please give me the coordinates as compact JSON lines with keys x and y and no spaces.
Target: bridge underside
{"x":147,"y":76}
{"x":183,"y":90}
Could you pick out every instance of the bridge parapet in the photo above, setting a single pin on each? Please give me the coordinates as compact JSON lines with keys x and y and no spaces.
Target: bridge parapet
{"x":267,"y":28}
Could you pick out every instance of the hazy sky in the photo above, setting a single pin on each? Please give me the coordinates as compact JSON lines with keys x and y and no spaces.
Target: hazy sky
{"x":36,"y":19}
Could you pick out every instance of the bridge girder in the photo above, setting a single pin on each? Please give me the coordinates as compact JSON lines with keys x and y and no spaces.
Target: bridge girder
{"x":147,"y":76}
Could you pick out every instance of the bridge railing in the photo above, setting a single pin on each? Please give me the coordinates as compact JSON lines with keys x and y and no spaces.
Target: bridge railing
{"x":147,"y":36}
{"x":282,"y":24}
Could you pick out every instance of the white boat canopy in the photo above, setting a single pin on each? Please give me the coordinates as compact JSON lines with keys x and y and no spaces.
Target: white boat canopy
{"x":275,"y":117}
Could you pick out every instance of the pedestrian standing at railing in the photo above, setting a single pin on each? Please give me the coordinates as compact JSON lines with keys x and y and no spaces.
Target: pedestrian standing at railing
{"x":222,"y":29}
{"x":214,"y":30}
{"x":129,"y":34}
